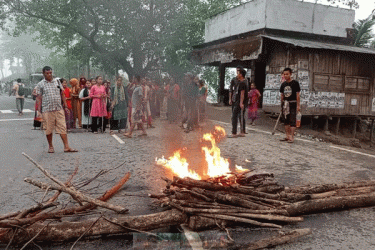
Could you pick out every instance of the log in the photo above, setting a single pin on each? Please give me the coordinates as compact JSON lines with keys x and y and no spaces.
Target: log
{"x":328,"y":187}
{"x":226,"y":198}
{"x":68,"y":211}
{"x":265,"y":200}
{"x":269,"y":217}
{"x":187,"y":182}
{"x":37,"y":207}
{"x":273,"y":189}
{"x":212,"y":208}
{"x":65,"y":231}
{"x":240,"y":220}
{"x":277,"y":240}
{"x":198,"y":223}
{"x":344,"y":192}
{"x":78,"y":195}
{"x":330,"y":204}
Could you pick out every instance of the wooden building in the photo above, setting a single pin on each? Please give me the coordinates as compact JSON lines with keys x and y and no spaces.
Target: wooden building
{"x":336,"y":79}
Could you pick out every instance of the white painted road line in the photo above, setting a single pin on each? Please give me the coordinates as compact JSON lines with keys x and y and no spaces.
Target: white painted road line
{"x":262,"y":131}
{"x":118,"y":139}
{"x":15,"y":111}
{"x":352,"y":151}
{"x":11,"y":120}
{"x":6,"y":111}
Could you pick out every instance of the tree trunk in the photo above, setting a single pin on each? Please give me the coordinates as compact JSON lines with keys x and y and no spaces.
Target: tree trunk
{"x":65,"y":231}
{"x":329,"y":204}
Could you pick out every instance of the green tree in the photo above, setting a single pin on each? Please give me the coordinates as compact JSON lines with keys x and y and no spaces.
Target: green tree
{"x":363,"y":32}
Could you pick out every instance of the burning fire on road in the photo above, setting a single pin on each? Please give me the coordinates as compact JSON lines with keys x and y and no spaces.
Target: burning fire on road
{"x":217,"y":166}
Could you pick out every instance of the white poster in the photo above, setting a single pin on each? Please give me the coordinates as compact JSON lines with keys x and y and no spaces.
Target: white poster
{"x":273,"y":81}
{"x":373,"y":104}
{"x":303,"y":79}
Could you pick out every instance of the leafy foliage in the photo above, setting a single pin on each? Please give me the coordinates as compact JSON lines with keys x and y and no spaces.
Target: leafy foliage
{"x":363,"y":32}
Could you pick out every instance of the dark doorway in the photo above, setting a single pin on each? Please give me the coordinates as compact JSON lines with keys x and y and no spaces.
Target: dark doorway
{"x":260,"y":79}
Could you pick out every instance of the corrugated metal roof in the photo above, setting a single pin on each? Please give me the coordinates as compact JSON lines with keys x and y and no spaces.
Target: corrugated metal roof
{"x":320,"y":45}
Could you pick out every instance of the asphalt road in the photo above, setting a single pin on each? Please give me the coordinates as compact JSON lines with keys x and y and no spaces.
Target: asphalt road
{"x":300,"y":163}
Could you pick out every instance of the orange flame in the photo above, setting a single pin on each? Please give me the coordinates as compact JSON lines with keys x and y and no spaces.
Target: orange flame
{"x":178,"y":165}
{"x":217,"y":165}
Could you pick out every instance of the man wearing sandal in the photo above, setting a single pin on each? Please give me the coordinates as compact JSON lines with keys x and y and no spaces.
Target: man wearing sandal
{"x":290,"y":104}
{"x":51,"y":99}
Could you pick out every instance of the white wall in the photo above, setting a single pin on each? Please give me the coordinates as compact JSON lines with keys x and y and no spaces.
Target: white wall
{"x":244,"y":18}
{"x":290,"y":15}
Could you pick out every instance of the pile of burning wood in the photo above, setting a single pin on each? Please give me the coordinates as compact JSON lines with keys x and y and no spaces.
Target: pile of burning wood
{"x":259,"y":201}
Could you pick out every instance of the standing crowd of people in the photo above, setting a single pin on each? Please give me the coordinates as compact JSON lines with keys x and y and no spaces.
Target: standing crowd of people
{"x":96,"y":104}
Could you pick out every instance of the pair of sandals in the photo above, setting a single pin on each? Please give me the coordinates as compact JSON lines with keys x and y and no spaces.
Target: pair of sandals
{"x":70,"y":150}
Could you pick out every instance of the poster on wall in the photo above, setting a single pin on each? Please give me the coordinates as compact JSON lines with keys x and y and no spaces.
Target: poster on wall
{"x":303,"y":79}
{"x":303,"y":64}
{"x":326,"y":100}
{"x":373,"y":104}
{"x":273,"y":81}
{"x":271,"y":97}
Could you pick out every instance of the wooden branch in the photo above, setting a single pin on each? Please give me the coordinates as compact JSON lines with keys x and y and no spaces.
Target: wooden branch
{"x":330,"y":204}
{"x":269,"y":217}
{"x":29,"y":210}
{"x":238,"y":219}
{"x":58,"y":232}
{"x":78,"y":195}
{"x":328,"y":187}
{"x":60,"y":213}
{"x":226,"y":198}
{"x":45,"y":172}
{"x":216,"y":187}
{"x":277,"y":240}
{"x":344,"y":192}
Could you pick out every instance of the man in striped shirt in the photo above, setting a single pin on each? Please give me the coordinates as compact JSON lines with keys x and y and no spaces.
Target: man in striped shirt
{"x":51,"y":104}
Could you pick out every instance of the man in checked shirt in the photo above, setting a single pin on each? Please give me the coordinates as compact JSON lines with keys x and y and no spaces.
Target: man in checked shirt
{"x":51,"y":104}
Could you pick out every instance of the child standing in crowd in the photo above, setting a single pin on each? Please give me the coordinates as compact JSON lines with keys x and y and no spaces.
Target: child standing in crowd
{"x":254,"y":96}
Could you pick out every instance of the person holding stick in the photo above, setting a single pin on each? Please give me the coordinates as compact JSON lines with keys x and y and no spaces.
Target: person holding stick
{"x":290,"y":104}
{"x":50,"y":98}
{"x":98,"y":107}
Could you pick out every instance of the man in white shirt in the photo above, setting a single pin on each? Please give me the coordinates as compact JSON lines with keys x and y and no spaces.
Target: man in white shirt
{"x":19,"y":90}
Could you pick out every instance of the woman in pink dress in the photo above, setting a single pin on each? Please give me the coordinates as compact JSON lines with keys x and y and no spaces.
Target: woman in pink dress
{"x":254,"y":96}
{"x":98,"y":96}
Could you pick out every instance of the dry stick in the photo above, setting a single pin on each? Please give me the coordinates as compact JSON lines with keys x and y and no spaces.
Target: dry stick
{"x":277,"y":240}
{"x":268,"y":217}
{"x":29,"y":210}
{"x":10,"y":242}
{"x":39,"y":207}
{"x":80,"y":237}
{"x":44,"y":171}
{"x":78,"y":195}
{"x":33,"y":238}
{"x":132,"y":229}
{"x":238,"y":219}
{"x":68,"y":211}
{"x":327,"y":187}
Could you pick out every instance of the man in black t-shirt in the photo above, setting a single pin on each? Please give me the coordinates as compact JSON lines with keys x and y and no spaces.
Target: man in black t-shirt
{"x":237,"y":98}
{"x":290,"y":104}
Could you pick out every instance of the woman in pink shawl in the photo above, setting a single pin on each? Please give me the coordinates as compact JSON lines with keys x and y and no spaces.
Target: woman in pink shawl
{"x":254,"y":96}
{"x":98,"y":96}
